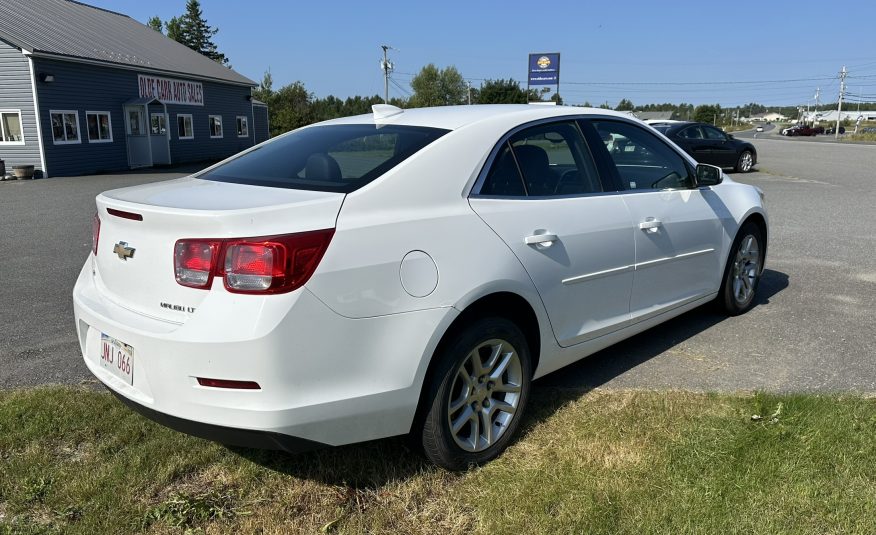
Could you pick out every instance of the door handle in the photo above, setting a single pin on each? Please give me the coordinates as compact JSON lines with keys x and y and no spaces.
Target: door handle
{"x":544,"y":240}
{"x":650,"y":225}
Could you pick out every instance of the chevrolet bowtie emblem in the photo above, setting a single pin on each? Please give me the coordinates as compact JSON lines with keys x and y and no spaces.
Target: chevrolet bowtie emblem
{"x":123,"y":250}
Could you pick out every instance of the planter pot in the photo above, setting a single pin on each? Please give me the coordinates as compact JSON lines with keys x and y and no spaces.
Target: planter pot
{"x":22,"y":172}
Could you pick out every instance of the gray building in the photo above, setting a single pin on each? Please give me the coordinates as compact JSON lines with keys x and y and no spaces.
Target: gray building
{"x":86,"y":90}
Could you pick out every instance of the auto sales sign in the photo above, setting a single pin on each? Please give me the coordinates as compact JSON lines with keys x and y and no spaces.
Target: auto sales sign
{"x":544,"y":69}
{"x":170,"y":91}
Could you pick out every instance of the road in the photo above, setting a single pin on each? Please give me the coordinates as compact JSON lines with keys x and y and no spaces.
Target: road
{"x":812,"y":329}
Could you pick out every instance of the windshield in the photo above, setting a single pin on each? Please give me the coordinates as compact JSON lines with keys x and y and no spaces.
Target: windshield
{"x":339,"y":158}
{"x":662,"y":128}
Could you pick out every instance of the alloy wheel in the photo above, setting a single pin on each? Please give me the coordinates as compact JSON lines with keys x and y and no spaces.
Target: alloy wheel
{"x":485,"y":395}
{"x":745,"y":269}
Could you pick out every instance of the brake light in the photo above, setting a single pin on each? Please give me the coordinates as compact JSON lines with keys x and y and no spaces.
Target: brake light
{"x":275,"y":264}
{"x":95,"y":233}
{"x":265,"y":265}
{"x":194,"y":262}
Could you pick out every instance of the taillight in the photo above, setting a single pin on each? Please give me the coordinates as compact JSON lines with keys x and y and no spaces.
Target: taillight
{"x":194,"y":262}
{"x":95,"y":232}
{"x":266,"y":265}
{"x":274,"y":264}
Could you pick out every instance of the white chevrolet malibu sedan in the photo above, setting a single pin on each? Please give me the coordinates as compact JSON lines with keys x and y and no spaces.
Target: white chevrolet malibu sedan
{"x":406,"y":271}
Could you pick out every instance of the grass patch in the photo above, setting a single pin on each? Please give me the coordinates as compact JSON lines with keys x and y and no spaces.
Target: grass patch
{"x":870,"y":136}
{"x":77,"y":461}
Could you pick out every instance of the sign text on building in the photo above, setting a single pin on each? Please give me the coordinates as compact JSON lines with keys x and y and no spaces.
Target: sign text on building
{"x":171,"y":91}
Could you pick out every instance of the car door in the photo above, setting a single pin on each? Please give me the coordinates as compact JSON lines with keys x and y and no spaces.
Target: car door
{"x":678,"y":234}
{"x":694,"y":142}
{"x":542,"y":194}
{"x":723,"y":150}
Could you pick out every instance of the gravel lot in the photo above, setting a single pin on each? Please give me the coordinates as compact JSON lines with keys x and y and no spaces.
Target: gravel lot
{"x":812,"y":329}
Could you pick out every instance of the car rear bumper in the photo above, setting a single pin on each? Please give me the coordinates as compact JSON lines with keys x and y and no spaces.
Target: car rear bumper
{"x":230,"y":436}
{"x":324,"y":379}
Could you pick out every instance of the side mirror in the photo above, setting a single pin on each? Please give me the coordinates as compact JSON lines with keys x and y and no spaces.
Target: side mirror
{"x":708,"y":175}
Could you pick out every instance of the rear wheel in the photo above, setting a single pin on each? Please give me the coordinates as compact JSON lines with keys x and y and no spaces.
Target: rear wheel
{"x":478,"y":394}
{"x":743,"y":271}
{"x":745,"y":162}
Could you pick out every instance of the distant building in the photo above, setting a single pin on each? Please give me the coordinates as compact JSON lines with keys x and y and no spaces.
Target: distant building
{"x":769,"y":117}
{"x":829,"y":116}
{"x":85,"y":90}
{"x":655,"y":115}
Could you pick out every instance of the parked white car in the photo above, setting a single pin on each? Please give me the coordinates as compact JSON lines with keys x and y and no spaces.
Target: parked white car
{"x":404,"y":272}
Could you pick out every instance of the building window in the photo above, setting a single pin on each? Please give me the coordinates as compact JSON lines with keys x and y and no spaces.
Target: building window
{"x":158,"y":124}
{"x":184,"y":126}
{"x":100,"y":129}
{"x":10,"y":127}
{"x":242,"y":126}
{"x":215,"y":126}
{"x":65,"y":126}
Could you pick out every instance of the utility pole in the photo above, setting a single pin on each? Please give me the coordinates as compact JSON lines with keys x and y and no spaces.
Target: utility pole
{"x":839,"y":106}
{"x":469,"y":92}
{"x":386,"y":67}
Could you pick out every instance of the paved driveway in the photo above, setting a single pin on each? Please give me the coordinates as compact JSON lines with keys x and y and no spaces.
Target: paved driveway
{"x":812,"y":329}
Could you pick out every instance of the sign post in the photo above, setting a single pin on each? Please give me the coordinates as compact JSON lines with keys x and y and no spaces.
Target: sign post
{"x":544,"y":69}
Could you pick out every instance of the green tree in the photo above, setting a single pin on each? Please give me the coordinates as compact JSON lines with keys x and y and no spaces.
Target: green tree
{"x":265,"y":90}
{"x":707,"y":113}
{"x":501,"y":92}
{"x":196,"y":34}
{"x":156,"y":24}
{"x":625,"y":105}
{"x":438,"y":87}
{"x":290,"y":108}
{"x":174,"y":29}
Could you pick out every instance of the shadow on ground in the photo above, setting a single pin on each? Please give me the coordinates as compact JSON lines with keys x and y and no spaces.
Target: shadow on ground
{"x":372,"y":465}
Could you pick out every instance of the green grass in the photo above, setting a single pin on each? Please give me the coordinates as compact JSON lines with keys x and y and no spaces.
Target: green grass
{"x":77,"y":461}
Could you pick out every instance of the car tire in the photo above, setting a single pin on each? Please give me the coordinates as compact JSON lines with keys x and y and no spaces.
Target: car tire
{"x":477,"y":395}
{"x":745,"y":162}
{"x":743,"y":271}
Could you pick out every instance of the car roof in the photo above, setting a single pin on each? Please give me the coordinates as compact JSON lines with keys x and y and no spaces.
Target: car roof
{"x":455,"y":117}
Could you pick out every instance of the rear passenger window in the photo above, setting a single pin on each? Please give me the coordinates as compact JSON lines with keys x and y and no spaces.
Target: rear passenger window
{"x":691,"y":132}
{"x":542,"y":161}
{"x":642,"y":160}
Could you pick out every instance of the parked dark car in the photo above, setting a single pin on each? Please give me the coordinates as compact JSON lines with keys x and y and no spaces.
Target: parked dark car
{"x":803,"y":130}
{"x":711,"y":145}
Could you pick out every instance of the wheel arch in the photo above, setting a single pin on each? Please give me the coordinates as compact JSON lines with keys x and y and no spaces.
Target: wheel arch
{"x":505,"y":304}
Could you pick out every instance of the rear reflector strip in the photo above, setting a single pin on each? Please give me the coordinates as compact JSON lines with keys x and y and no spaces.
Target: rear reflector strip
{"x":124,"y":215}
{"x":227,"y":383}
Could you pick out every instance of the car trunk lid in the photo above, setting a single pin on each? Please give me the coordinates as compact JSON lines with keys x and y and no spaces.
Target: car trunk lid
{"x":139,"y":226}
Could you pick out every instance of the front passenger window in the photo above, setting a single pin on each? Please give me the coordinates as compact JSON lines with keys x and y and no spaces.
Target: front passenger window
{"x":642,"y":160}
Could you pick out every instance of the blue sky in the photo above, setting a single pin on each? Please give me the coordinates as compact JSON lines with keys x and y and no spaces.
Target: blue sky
{"x":646,"y":51}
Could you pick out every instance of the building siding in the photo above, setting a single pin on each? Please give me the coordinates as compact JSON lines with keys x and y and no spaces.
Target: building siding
{"x":262,"y":132}
{"x":84,"y":87}
{"x":16,"y":93}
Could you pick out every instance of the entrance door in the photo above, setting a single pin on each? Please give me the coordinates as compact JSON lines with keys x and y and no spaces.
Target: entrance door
{"x":139,"y":148}
{"x":159,"y":136}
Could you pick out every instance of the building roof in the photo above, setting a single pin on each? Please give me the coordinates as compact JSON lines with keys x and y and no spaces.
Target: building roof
{"x":648,"y":115}
{"x":69,"y":29}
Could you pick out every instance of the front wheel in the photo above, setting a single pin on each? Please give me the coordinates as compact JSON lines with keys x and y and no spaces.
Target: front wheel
{"x":743,"y":270}
{"x":477,"y":395}
{"x":745,"y":162}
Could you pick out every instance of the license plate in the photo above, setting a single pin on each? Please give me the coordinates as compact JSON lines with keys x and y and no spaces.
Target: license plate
{"x":117,"y":357}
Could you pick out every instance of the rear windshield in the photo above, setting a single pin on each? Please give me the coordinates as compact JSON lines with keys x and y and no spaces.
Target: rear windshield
{"x":662,"y":128}
{"x":340,"y":158}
